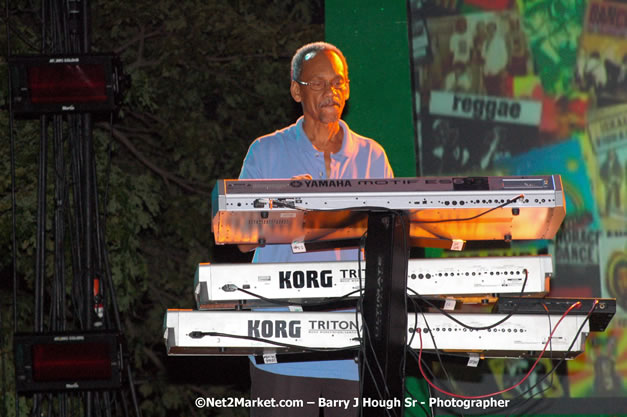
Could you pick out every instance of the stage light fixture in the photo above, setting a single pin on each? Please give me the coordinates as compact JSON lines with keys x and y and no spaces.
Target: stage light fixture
{"x":66,"y":83}
{"x":67,"y":361}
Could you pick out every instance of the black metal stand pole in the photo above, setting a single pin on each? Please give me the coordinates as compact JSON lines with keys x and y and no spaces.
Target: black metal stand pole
{"x":385,"y":314}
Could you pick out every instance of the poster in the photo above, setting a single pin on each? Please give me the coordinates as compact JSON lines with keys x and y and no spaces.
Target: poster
{"x":607,"y":129}
{"x":613,"y":248}
{"x":562,"y":115}
{"x":476,"y":53}
{"x":553,"y":28}
{"x":552,"y":48}
{"x":601,"y":68}
{"x":466,"y":133}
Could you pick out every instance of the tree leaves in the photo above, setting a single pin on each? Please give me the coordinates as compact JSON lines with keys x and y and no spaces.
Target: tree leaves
{"x":207,"y":78}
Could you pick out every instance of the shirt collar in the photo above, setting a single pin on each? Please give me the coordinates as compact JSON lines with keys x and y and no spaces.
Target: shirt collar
{"x":348,"y":144}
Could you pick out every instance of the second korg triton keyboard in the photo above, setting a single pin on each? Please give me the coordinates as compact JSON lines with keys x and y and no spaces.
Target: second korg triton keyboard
{"x":451,"y":208}
{"x":218,"y":283}
{"x":261,"y":332}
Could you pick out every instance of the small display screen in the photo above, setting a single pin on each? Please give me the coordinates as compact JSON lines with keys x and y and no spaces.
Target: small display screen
{"x":67,"y":83}
{"x":71,"y":361}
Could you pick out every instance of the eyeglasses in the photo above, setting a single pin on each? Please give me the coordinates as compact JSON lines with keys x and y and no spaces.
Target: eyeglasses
{"x":339,"y":83}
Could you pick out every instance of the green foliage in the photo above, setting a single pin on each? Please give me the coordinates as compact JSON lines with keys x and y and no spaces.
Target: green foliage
{"x":207,"y":78}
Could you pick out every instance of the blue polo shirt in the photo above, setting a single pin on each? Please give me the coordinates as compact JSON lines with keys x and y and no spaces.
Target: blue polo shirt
{"x":288,"y":153}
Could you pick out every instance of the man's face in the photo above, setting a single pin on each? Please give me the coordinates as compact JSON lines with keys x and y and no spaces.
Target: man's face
{"x":326,"y":105}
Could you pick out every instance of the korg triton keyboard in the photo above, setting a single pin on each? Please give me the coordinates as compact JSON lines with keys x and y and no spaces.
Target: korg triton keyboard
{"x":451,"y":208}
{"x":215,"y":283}
{"x":522,"y":335}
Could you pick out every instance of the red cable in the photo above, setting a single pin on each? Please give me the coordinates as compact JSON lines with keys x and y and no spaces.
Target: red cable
{"x":473,"y":397}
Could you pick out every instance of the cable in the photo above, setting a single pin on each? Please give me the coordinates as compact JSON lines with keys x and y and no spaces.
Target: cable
{"x":40,"y":243}
{"x":437,"y":351}
{"x":396,"y":219}
{"x":504,"y":319}
{"x":406,"y":250}
{"x":416,"y":401}
{"x":508,"y":202}
{"x":435,"y":346}
{"x":563,"y":358}
{"x":365,"y":338}
{"x":281,"y":203}
{"x":105,"y":199}
{"x":550,"y":373}
{"x":358,"y":309}
{"x":13,"y":199}
{"x":393,"y":222}
{"x":366,"y":345}
{"x":528,"y":373}
{"x":539,"y":382}
{"x":548,"y":316}
{"x":289,"y":303}
{"x":58,"y":305}
{"x":64,"y":30}
{"x":3,"y":370}
{"x":201,"y":334}
{"x":395,"y":215}
{"x":76,"y":218}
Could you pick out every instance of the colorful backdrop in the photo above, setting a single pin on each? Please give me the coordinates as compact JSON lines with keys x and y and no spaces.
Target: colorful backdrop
{"x":568,"y":58}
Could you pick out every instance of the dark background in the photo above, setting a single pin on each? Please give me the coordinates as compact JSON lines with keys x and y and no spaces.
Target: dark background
{"x":208,"y":77}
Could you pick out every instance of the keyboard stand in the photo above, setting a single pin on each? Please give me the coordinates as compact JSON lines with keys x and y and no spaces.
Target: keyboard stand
{"x":382,"y":364}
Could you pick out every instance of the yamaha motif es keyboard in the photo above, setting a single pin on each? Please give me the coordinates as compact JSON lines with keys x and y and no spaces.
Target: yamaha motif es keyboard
{"x":522,"y":335}
{"x":451,"y":208}
{"x":439,"y":276}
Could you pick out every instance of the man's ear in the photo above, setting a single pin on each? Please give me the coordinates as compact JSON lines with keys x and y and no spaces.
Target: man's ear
{"x":295,"y":91}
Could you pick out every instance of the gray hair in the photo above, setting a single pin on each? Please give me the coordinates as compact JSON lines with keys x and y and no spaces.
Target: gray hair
{"x":310,"y":50}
